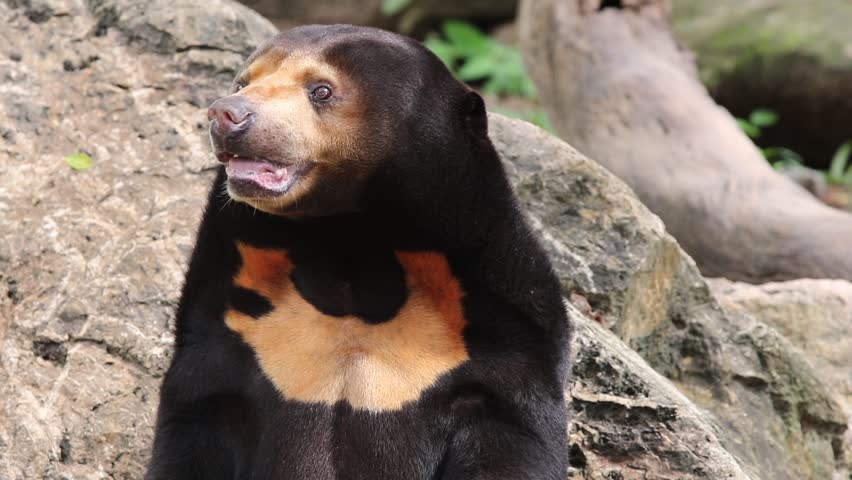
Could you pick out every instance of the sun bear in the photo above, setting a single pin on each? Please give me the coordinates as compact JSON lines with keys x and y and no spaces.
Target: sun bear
{"x":365,"y":299}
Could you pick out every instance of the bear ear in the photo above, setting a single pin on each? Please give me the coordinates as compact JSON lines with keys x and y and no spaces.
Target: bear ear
{"x":475,"y":115}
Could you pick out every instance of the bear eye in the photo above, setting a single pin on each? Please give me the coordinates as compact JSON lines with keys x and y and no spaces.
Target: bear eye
{"x":321,"y":93}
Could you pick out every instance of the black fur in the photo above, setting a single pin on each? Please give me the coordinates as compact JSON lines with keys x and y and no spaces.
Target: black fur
{"x":438,"y":185}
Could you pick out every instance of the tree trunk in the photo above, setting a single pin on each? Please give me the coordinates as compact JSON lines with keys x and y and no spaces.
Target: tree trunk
{"x":620,"y":89}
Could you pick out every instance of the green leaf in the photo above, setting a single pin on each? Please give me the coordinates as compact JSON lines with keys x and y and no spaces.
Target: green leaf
{"x":477,"y":68}
{"x":838,"y":172}
{"x":537,"y":117}
{"x":513,"y":77}
{"x":79,"y":161}
{"x":528,"y":89}
{"x":443,"y":50}
{"x":782,"y":158}
{"x":492,"y":87}
{"x":500,"y":67}
{"x":392,"y":7}
{"x":507,"y":112}
{"x":466,"y":38}
{"x":753,"y":131}
{"x":506,"y":79}
{"x":542,"y":120}
{"x":763,"y":118}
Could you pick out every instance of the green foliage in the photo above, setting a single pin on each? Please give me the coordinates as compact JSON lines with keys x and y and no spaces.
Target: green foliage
{"x":476,"y":57}
{"x":840,"y":171}
{"x":537,"y":117}
{"x":79,"y":161}
{"x":752,"y":131}
{"x":763,"y":118}
{"x":781,"y":157}
{"x":466,"y":38}
{"x":392,"y":7}
{"x":757,"y":121}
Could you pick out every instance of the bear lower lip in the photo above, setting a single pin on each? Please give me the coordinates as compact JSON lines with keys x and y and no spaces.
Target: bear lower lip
{"x":255,"y":176}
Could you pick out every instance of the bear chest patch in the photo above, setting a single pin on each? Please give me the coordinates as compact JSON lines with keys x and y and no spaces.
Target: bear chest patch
{"x":320,"y":339}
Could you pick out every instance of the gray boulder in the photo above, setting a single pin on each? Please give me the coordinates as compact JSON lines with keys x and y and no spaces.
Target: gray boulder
{"x":815,"y":315}
{"x":616,"y":259}
{"x":91,"y":261}
{"x":414,"y":14}
{"x":294,"y":12}
{"x":630,"y":422}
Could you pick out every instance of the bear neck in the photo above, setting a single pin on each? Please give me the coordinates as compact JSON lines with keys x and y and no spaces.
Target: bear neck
{"x":471,"y":217}
{"x":464,"y":210}
{"x":441,"y":203}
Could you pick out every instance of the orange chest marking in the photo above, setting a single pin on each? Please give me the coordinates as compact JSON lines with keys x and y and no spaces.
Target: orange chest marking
{"x":316,"y":358}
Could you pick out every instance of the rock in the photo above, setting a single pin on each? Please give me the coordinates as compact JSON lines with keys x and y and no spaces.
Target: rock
{"x":778,"y":420}
{"x":815,"y":315}
{"x":166,"y":27}
{"x":92,"y":262}
{"x":295,"y":12}
{"x":421,"y":13}
{"x":792,"y":56}
{"x":630,"y":422}
{"x":621,"y":90}
{"x":414,"y":16}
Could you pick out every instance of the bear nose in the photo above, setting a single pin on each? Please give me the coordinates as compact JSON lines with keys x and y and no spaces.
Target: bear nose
{"x":230,"y":116}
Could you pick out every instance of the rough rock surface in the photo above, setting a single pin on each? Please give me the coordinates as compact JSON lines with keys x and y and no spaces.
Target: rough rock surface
{"x":91,"y":261}
{"x":790,"y":55}
{"x":631,"y":423}
{"x":294,"y":12}
{"x":621,"y":91}
{"x":420,"y":13}
{"x":414,"y":16}
{"x":815,"y":315}
{"x":778,"y":420}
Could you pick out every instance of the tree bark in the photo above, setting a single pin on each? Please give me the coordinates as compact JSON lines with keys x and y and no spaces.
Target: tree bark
{"x":619,"y":88}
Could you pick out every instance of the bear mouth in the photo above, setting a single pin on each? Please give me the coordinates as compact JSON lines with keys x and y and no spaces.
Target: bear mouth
{"x":251,"y":177}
